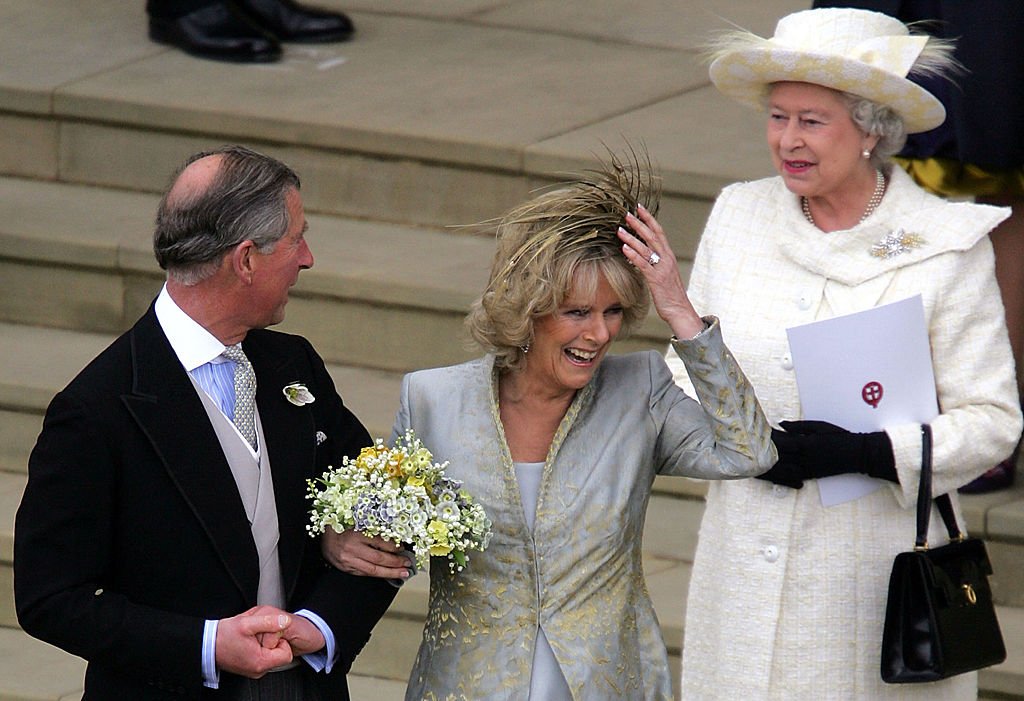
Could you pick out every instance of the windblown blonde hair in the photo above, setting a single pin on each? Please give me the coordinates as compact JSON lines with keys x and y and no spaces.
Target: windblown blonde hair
{"x":560,"y":241}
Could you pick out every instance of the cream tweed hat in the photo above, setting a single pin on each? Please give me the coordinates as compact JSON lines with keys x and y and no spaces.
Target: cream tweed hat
{"x":856,"y":51}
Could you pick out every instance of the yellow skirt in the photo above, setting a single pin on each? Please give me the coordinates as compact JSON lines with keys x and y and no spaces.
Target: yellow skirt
{"x":950,"y":178}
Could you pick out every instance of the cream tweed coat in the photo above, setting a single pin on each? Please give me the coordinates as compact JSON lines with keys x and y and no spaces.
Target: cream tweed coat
{"x":787,"y":597}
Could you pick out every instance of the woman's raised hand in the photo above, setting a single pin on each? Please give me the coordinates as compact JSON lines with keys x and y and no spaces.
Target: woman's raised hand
{"x":646,"y":246}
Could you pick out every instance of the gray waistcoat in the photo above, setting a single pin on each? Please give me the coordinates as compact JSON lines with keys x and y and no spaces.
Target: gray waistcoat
{"x":256,"y":487}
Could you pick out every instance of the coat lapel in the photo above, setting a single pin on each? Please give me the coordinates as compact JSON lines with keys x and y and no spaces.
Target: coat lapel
{"x":171,"y":415}
{"x":290,"y":435}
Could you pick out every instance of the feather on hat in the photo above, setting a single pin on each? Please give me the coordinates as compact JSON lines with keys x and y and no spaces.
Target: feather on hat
{"x":856,"y":51}
{"x":581,"y":214}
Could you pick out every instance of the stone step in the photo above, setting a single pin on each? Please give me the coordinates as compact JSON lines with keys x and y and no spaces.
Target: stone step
{"x":439,"y":114}
{"x":669,"y":542}
{"x":435,"y":115}
{"x":31,"y":670}
{"x":396,"y":639}
{"x":379,"y":295}
{"x":34,"y":671}
{"x":38,"y":362}
{"x":11,"y":488}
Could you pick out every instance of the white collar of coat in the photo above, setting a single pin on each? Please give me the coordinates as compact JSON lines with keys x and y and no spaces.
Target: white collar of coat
{"x":845,"y":256}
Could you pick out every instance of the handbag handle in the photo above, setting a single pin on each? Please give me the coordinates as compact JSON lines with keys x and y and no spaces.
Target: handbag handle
{"x":924,"y":497}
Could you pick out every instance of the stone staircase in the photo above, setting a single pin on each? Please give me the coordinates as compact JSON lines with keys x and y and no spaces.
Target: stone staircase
{"x":439,"y":114}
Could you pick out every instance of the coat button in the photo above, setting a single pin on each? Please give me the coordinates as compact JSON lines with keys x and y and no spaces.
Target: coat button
{"x":771,"y":553}
{"x":779,"y":491}
{"x":803,"y":302}
{"x":786,"y":362}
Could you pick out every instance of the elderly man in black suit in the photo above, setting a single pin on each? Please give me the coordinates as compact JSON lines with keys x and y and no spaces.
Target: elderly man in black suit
{"x":248,"y":31}
{"x":162,"y":534}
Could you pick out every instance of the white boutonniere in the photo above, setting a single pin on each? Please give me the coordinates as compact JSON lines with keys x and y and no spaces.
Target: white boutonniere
{"x":298,"y":394}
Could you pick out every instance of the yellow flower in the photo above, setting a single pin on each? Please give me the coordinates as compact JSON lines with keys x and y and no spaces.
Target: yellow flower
{"x":394,"y":468}
{"x":440,"y":550}
{"x":438,"y":530}
{"x":416,"y":481}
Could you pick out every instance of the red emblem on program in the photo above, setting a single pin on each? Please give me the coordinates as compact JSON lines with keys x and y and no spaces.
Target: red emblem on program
{"x":871,"y":393}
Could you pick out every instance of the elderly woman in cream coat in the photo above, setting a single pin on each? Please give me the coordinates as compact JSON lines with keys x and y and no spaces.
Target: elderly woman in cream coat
{"x":560,"y":443}
{"x":787,"y":596}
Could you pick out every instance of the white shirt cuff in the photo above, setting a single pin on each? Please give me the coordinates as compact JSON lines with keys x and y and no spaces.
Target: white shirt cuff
{"x":211,"y":675}
{"x":321,"y":660}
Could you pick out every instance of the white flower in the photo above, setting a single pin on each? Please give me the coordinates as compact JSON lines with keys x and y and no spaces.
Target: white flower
{"x":298,"y":394}
{"x":448,"y":511}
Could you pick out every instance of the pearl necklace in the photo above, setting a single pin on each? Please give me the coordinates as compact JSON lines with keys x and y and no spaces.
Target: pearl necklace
{"x":876,"y":199}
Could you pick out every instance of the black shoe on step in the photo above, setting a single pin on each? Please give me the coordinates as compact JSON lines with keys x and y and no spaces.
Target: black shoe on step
{"x":289,"y":21}
{"x":216,"y":32}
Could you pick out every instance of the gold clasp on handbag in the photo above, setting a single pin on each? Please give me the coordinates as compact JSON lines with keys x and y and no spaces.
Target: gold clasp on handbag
{"x":972,"y":598}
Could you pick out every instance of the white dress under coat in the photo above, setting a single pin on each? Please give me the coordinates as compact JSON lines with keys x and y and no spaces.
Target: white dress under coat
{"x":787,"y":598}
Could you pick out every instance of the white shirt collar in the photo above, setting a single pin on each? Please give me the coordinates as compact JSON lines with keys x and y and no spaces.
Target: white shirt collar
{"x":194,"y":345}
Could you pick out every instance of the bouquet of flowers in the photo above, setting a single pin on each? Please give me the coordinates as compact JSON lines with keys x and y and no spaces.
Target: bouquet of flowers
{"x":402,"y":495}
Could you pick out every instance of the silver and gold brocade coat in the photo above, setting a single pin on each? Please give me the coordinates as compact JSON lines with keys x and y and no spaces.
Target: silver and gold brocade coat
{"x":578,"y":575}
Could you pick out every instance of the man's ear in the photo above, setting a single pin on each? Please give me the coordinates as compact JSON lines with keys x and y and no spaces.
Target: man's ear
{"x":242,"y":261}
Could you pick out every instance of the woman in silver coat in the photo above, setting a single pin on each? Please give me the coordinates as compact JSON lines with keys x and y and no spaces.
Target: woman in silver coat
{"x":560,"y":442}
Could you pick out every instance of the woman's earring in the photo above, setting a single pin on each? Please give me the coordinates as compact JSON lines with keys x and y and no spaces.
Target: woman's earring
{"x":525,"y":349}
{"x":866,"y":153}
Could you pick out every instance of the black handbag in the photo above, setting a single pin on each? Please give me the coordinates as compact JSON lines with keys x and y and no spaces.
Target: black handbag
{"x":939,"y":619}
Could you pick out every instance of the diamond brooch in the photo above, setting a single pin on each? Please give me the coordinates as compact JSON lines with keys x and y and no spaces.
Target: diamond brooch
{"x":896,"y":242}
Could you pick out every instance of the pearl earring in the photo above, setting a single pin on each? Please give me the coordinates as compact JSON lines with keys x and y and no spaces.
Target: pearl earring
{"x":866,"y":153}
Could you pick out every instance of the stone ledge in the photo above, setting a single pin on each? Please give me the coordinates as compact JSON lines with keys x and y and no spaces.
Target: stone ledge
{"x":90,"y":245}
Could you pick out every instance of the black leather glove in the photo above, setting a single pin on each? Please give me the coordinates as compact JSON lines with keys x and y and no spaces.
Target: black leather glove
{"x":813,"y":449}
{"x":785,"y":472}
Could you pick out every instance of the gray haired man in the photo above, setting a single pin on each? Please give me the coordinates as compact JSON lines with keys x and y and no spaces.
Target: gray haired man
{"x":162,"y":532}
